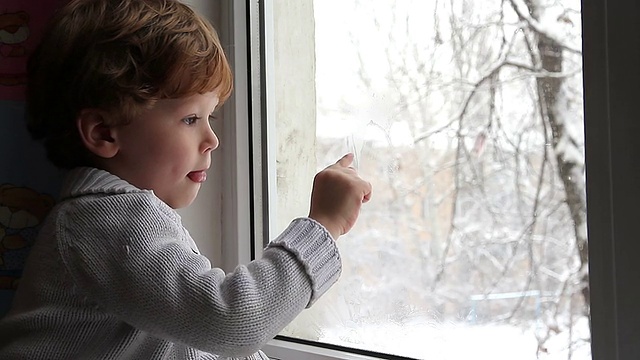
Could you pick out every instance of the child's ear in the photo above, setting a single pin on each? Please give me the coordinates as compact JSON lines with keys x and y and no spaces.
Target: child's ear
{"x":96,"y":136}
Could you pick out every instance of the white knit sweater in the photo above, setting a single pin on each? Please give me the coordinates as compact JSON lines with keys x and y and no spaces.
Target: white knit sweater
{"x":114,"y":275}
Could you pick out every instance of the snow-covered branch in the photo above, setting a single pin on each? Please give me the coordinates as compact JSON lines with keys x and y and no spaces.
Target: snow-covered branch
{"x":544,"y":29}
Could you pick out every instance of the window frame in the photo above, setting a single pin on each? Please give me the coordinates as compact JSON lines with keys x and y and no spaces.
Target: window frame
{"x":610,"y":56}
{"x":611,"y":59}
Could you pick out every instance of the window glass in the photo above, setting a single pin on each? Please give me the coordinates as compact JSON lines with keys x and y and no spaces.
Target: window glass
{"x":467,"y":118}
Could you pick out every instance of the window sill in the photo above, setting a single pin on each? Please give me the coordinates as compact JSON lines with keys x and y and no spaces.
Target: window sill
{"x":284,"y":350}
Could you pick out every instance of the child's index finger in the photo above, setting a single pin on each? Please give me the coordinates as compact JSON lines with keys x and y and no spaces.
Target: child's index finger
{"x":353,"y":149}
{"x":346,"y":160}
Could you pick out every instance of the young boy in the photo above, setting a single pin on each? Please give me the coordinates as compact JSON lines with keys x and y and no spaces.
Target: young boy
{"x":120,"y":92}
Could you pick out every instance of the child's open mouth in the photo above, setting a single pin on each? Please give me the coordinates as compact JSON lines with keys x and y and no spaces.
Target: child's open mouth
{"x":197,"y":176}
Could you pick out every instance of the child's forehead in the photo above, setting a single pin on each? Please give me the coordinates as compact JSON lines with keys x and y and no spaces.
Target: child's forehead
{"x":188,"y":103}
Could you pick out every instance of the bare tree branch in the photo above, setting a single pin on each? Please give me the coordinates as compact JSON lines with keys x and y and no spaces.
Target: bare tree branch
{"x":522,"y":10}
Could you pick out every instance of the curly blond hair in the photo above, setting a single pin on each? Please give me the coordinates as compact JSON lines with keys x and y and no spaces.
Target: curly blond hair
{"x":119,"y":56}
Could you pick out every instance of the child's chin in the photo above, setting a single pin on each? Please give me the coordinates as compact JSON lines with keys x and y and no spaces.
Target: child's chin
{"x":181,"y":201}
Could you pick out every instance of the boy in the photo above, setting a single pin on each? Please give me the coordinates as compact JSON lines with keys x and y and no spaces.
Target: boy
{"x":120,"y":92}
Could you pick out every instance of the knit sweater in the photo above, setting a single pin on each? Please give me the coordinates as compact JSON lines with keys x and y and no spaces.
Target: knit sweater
{"x":114,"y":275}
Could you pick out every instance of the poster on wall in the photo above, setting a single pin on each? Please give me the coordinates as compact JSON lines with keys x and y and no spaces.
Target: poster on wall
{"x":21,"y":23}
{"x":28,"y":183}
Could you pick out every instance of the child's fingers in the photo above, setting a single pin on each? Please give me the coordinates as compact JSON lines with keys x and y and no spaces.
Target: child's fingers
{"x":367,"y":194}
{"x":346,"y":160}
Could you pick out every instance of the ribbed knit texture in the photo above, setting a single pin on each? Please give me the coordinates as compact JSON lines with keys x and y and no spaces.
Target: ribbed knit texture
{"x":114,"y":275}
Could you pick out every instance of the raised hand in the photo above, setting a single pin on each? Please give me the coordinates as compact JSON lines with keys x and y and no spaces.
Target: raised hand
{"x":337,"y":196}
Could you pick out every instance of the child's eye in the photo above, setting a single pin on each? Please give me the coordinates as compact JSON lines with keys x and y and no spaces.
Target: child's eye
{"x":190,"y":120}
{"x":212,"y":118}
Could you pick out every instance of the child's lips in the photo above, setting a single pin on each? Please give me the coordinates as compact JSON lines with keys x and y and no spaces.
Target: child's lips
{"x":199,"y":176}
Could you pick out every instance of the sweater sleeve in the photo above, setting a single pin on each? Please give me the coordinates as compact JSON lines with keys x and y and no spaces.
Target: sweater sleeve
{"x":130,"y":257}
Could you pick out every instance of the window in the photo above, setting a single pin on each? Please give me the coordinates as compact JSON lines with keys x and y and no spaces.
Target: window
{"x":467,"y":118}
{"x":611,"y":187}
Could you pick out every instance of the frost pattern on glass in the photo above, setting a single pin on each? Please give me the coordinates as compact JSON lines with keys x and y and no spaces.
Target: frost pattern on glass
{"x":466,"y":116}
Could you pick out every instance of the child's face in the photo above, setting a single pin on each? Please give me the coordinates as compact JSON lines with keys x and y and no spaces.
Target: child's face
{"x":167,"y":149}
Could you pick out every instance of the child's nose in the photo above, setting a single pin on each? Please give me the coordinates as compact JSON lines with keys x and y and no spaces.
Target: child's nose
{"x":211,"y":141}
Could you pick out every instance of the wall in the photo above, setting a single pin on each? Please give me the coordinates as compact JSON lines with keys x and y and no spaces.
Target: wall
{"x":27,"y":182}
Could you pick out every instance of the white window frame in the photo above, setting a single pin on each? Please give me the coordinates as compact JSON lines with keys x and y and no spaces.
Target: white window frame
{"x":612,"y":117}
